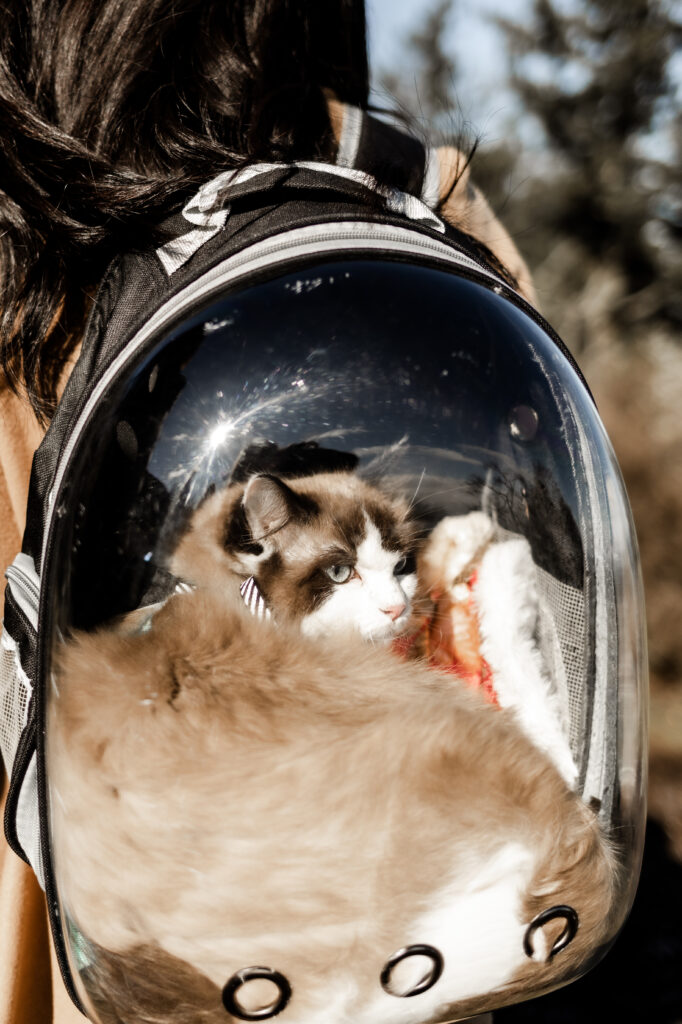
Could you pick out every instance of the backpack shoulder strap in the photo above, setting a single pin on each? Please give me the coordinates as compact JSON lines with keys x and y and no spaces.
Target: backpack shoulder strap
{"x":379,"y":148}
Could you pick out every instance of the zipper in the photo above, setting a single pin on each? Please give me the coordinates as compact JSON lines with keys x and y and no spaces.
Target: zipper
{"x":345,"y":237}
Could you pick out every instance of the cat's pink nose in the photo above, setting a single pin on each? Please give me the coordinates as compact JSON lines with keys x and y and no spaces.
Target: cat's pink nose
{"x":394,"y":612}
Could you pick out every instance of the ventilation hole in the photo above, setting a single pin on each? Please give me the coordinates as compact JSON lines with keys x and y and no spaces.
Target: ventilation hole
{"x":412,"y":970}
{"x":256,"y":993}
{"x":523,"y":423}
{"x":567,"y":935}
{"x":125,"y":435}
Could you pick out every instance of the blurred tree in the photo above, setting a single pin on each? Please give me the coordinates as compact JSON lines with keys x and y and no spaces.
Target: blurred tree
{"x":428,"y":90}
{"x":596,"y":76}
{"x":595,"y":204}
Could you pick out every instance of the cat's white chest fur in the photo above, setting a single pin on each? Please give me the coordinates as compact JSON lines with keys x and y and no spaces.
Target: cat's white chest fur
{"x":376,"y":602}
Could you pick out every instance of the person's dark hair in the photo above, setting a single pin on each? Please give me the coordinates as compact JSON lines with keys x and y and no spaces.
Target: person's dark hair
{"x":111,"y":111}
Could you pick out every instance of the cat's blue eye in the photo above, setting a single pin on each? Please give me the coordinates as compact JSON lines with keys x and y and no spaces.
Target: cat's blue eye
{"x":339,"y":573}
{"x":404,"y":566}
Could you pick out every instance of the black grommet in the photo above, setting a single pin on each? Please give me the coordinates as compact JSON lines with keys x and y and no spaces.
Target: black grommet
{"x":418,"y":950}
{"x":567,"y":935}
{"x":248,"y":974}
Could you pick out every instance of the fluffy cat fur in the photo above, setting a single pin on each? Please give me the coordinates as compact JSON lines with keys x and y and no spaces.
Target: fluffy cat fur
{"x":228,"y":792}
{"x":508,"y":607}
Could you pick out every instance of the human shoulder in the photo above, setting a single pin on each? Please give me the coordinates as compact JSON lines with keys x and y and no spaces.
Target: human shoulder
{"x":20,"y":435}
{"x":465,"y":207}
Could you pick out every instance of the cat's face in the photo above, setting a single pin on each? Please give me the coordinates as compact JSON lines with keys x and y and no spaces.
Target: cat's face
{"x":328,"y":552}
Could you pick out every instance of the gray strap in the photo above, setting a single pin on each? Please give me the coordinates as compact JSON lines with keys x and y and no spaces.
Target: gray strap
{"x":431,"y":187}
{"x":24,"y":583}
{"x":349,"y":142}
{"x":28,"y":820}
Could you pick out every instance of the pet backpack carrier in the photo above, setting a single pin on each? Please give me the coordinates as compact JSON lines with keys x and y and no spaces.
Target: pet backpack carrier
{"x":265,"y":839}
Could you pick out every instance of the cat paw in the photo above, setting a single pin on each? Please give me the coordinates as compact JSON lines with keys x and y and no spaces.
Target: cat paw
{"x":452,"y":546}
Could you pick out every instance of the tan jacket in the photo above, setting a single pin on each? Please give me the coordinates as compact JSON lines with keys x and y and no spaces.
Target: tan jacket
{"x":31,"y":989}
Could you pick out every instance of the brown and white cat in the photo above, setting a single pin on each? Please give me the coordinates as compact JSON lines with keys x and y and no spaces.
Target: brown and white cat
{"x":328,"y":551}
{"x":228,"y":791}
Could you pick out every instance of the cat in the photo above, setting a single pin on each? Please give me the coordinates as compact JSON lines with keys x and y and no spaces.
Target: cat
{"x":333,"y":553}
{"x":328,"y":551}
{"x":229,"y":791}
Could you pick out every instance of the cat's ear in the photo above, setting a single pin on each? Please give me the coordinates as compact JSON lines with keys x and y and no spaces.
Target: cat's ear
{"x":269,"y":505}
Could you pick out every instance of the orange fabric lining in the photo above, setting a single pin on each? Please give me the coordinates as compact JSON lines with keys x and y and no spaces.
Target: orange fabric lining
{"x":450,"y":640}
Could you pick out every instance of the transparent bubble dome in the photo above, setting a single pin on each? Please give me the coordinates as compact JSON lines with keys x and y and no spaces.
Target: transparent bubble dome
{"x":376,"y":465}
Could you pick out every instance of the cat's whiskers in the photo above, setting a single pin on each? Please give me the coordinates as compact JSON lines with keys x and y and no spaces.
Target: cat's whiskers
{"x":413,"y":499}
{"x":436,"y":494}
